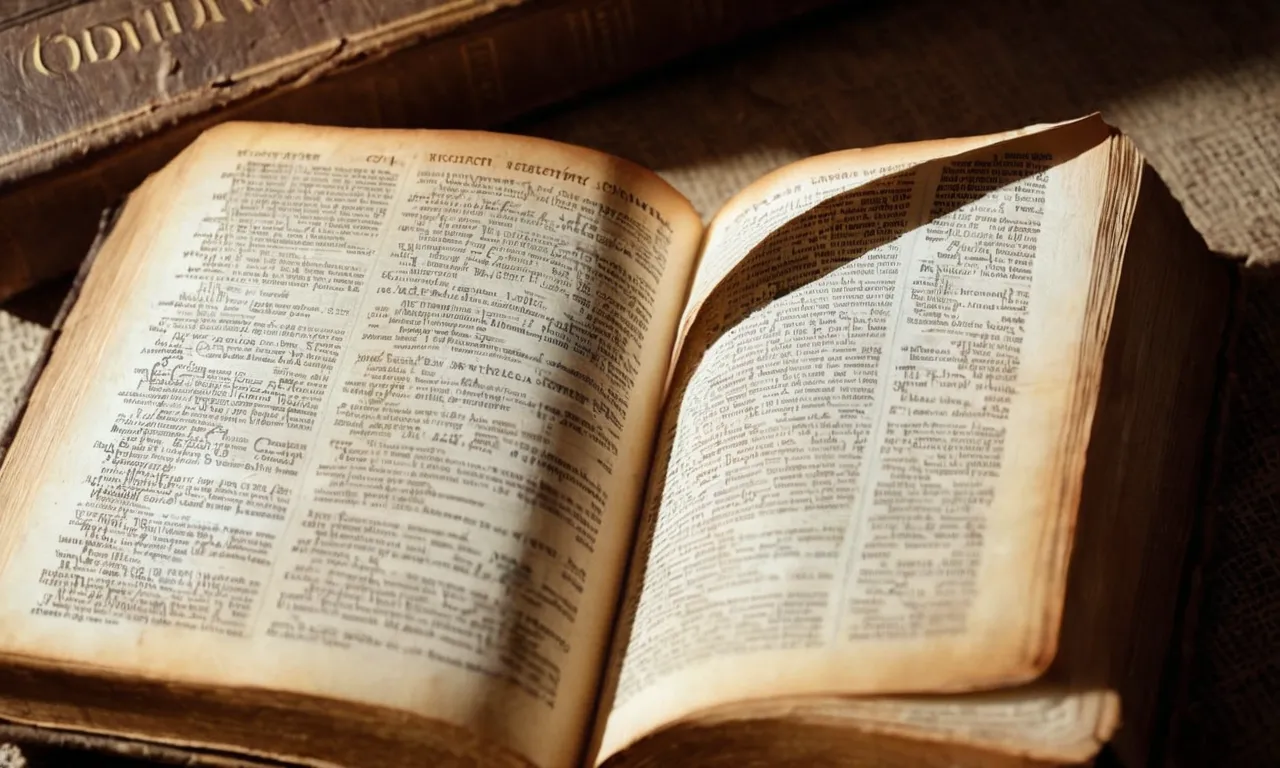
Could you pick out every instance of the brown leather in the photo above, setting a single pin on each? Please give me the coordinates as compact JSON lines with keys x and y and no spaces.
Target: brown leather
{"x":74,"y":142}
{"x":87,"y":75}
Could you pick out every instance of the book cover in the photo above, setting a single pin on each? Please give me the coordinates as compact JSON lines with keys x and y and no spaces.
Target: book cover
{"x":97,"y":94}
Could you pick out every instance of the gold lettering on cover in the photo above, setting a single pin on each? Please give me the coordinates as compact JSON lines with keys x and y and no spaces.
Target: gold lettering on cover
{"x":171,"y":16}
{"x":149,"y":23}
{"x":114,"y":43}
{"x":108,"y":41}
{"x":130,"y":33}
{"x":71,"y":63}
{"x":205,"y":12}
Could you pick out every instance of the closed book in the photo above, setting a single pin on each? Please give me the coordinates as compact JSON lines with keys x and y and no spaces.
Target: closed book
{"x":97,"y":94}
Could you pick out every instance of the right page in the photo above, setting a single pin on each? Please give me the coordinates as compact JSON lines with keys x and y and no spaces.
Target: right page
{"x":871,"y":457}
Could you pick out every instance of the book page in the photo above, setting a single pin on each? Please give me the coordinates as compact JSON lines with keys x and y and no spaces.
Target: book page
{"x":1042,"y":722}
{"x":355,"y":414}
{"x":1067,"y":726}
{"x":874,"y":440}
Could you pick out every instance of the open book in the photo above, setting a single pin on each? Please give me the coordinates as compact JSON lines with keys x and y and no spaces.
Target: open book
{"x":423,"y":448}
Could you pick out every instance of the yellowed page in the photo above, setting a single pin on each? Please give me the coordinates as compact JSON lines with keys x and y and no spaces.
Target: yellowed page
{"x":752,"y":214}
{"x":873,"y":448}
{"x":1044,"y":722}
{"x":356,"y":414}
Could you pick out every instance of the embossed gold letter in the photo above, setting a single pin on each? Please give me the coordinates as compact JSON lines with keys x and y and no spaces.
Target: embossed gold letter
{"x":148,"y":20}
{"x":130,"y":33}
{"x":205,"y":12}
{"x":114,"y":43}
{"x":171,"y":15}
{"x":38,"y":56}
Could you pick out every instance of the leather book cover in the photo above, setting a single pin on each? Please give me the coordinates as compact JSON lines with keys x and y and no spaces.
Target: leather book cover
{"x":96,"y":94}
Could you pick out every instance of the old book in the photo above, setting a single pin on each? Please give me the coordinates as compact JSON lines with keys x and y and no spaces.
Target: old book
{"x":99,"y":93}
{"x":361,"y":447}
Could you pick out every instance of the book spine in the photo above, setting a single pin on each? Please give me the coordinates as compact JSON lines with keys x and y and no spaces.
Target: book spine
{"x":524,"y":58}
{"x":501,"y":63}
{"x":80,"y":75}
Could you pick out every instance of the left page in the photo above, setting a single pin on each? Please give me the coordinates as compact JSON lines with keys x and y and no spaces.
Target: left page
{"x":354,"y":414}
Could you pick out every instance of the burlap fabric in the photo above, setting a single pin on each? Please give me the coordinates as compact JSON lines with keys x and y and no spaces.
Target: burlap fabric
{"x":1197,"y":85}
{"x":20,"y":342}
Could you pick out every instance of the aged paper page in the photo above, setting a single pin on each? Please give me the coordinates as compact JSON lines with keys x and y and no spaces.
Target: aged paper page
{"x":1041,"y":721}
{"x":869,"y":449}
{"x":371,"y":424}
